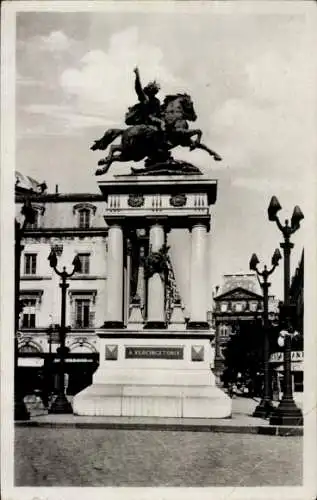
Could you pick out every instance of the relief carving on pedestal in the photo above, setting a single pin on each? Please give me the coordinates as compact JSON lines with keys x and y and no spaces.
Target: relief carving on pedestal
{"x":178,"y":200}
{"x":136,"y":200}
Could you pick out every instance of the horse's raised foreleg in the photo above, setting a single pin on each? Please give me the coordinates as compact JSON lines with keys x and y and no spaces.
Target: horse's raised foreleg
{"x":109,"y":159}
{"x":198,"y":134}
{"x":205,"y":148}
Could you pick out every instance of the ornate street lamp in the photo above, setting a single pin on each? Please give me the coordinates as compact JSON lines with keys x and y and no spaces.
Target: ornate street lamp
{"x":264,"y":408}
{"x":287,"y":412}
{"x":20,"y":410}
{"x":61,"y":403}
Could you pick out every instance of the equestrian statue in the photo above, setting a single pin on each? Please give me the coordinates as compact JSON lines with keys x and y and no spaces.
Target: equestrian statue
{"x":153,"y":130}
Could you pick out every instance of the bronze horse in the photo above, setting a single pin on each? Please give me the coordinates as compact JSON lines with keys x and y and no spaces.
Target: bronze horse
{"x":141,"y":141}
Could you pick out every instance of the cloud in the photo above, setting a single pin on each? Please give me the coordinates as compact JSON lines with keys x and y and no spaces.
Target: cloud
{"x":56,"y":41}
{"x":269,"y":129}
{"x":104,"y":81}
{"x":61,"y":119}
{"x":26,"y":81}
{"x":264,"y":184}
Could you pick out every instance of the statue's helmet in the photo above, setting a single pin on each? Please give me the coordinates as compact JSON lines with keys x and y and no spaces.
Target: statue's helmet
{"x":152,"y":88}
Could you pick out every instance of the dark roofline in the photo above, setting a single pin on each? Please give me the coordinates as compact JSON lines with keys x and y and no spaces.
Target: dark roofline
{"x":59,"y":197}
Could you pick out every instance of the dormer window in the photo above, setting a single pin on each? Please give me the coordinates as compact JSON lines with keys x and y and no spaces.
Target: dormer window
{"x":38,"y":213}
{"x":84,"y":212}
{"x":84,"y":218}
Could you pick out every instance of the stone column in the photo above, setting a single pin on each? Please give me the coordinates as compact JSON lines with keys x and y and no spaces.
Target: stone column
{"x":198,"y":276}
{"x":114,"y":318}
{"x":127,"y":279}
{"x":156,"y":286}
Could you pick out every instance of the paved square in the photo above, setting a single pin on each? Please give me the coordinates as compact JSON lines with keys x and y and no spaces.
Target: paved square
{"x":101,"y":457}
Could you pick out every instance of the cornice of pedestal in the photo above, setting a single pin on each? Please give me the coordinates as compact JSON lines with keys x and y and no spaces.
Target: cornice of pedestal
{"x":154,"y":333}
{"x":162,"y":184}
{"x":168,"y":222}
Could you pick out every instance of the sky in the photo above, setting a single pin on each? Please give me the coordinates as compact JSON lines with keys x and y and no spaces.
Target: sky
{"x":249,"y":76}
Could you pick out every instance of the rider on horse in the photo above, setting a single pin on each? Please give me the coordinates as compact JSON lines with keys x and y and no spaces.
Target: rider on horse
{"x":148,"y":110}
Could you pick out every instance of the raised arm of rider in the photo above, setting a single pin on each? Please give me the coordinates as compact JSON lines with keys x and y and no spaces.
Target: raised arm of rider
{"x":138,"y":87}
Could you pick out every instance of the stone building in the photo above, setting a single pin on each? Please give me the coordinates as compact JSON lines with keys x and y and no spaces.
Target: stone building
{"x":70,"y":224}
{"x":238,"y":300}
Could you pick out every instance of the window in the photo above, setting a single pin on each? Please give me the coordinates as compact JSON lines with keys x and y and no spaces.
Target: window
{"x":238,"y":307}
{"x":223,"y":307}
{"x":224,"y":331}
{"x":35,"y":223}
{"x":82,"y":308}
{"x":28,"y":318}
{"x":30,"y":263}
{"x":82,"y":313}
{"x":84,"y":218}
{"x":84,"y":213}
{"x":84,"y":263}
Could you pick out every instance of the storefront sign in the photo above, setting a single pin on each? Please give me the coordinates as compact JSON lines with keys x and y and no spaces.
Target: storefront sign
{"x":31,"y":362}
{"x":75,"y":360}
{"x":278,"y":357}
{"x":154,"y":352}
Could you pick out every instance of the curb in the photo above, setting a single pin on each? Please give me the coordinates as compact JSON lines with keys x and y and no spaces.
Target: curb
{"x":230,"y":429}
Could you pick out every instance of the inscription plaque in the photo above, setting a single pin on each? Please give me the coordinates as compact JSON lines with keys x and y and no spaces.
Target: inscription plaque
{"x":154,"y":352}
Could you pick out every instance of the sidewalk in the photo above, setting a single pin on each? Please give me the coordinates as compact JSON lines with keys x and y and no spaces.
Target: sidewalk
{"x":240,"y":422}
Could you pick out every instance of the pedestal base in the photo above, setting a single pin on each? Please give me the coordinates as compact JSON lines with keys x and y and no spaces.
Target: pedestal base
{"x":154,"y":377}
{"x":153,"y":401}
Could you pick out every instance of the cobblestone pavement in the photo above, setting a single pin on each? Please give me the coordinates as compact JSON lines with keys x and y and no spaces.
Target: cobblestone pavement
{"x":99,"y":457}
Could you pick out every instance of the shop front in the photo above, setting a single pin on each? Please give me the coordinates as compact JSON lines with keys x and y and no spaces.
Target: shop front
{"x":297,"y":372}
{"x":37,"y":372}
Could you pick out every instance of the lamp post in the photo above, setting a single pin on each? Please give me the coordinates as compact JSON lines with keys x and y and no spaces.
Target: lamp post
{"x":61,"y":404}
{"x":287,"y":413}
{"x":20,"y":410}
{"x":264,"y":408}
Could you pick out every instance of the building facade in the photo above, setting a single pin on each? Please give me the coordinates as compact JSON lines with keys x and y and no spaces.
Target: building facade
{"x":238,"y":300}
{"x":71,"y":224}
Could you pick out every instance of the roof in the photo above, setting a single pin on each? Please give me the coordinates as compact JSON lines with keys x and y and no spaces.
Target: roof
{"x":25,"y":183}
{"x":246,"y":281}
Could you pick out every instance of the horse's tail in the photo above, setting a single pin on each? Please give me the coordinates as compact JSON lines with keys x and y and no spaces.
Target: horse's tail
{"x":109,"y":136}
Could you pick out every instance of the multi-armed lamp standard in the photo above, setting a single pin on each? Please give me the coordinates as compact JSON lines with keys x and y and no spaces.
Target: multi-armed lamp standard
{"x":287,"y":412}
{"x":264,"y":408}
{"x":61,"y":404}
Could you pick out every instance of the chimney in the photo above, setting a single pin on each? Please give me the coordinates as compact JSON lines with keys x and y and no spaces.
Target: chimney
{"x":56,"y":188}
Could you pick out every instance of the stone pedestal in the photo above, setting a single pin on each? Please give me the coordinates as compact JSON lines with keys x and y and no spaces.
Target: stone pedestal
{"x":154,"y":368}
{"x":154,"y":376}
